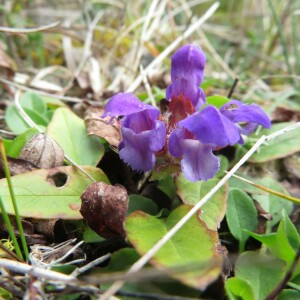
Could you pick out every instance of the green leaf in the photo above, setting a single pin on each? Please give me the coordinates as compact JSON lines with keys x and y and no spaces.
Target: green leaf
{"x":291,"y":232}
{"x":193,"y":246}
{"x":282,"y":146}
{"x":214,"y":210}
{"x":289,"y":295}
{"x":216,"y":100}
{"x":90,"y":236}
{"x":34,"y":102}
{"x":241,"y":214}
{"x":123,"y":259}
{"x":49,"y":194}
{"x":284,"y":243}
{"x":262,"y":272}
{"x":19,"y":142}
{"x":138,"y":202}
{"x":69,"y":132}
{"x":14,"y":120}
{"x":272,"y":203}
{"x":238,"y":289}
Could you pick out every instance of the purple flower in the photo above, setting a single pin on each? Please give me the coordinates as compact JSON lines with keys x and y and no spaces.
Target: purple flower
{"x":194,"y":129}
{"x":143,"y":134}
{"x":202,"y":132}
{"x":187,"y":74}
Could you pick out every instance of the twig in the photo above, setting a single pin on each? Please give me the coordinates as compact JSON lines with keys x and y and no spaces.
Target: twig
{"x":25,"y":88}
{"x":171,"y":47}
{"x":146,"y":257}
{"x":147,"y":86}
{"x":19,"y":267}
{"x":90,"y":265}
{"x":285,"y":280}
{"x":28,"y":30}
{"x":236,"y":80}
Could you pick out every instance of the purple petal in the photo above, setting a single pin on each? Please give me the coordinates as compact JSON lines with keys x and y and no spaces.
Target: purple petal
{"x":174,"y":144}
{"x":236,"y":111}
{"x":138,"y":147}
{"x":198,"y":161}
{"x":187,"y":74}
{"x":135,"y":152}
{"x":124,"y":104}
{"x":210,"y":127}
{"x":140,"y":121}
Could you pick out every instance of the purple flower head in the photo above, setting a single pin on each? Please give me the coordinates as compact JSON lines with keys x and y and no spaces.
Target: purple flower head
{"x":143,"y":134}
{"x":187,"y":74}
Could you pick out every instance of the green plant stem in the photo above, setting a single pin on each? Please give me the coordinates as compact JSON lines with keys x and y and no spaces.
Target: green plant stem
{"x":266,"y":189}
{"x":13,"y":199}
{"x":10,"y":230}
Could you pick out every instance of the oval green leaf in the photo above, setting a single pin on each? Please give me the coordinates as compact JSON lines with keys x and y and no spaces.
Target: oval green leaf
{"x":237,"y":288}
{"x":49,"y":194}
{"x":241,"y":214}
{"x":262,"y":272}
{"x":279,"y":147}
{"x":193,"y":249}
{"x":69,"y":132}
{"x":214,"y":210}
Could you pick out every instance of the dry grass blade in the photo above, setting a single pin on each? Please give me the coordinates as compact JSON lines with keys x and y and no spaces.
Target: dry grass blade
{"x":29,"y":30}
{"x":175,"y":44}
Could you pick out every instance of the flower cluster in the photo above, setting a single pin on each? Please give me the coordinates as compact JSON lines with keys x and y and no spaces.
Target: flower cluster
{"x":190,"y":130}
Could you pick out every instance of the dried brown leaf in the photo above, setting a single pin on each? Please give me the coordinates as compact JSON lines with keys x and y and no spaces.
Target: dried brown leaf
{"x":100,"y":127}
{"x":104,"y":207}
{"x":17,"y":166}
{"x":43,"y":151}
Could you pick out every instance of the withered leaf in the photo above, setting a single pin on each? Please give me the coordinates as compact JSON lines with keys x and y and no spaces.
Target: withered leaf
{"x":100,"y":127}
{"x":104,"y":207}
{"x":43,"y":151}
{"x":17,"y":166}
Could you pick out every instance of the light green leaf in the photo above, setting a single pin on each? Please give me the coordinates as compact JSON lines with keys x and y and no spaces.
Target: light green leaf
{"x":34,"y":102}
{"x":262,"y":272}
{"x":282,"y":146}
{"x":216,"y":100}
{"x":238,"y":289}
{"x":289,"y":295}
{"x":138,"y":202}
{"x":69,"y":132}
{"x":193,"y":248}
{"x":214,"y":210}
{"x":49,"y":194}
{"x":241,"y":214}
{"x":284,"y":243}
{"x":19,"y":142}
